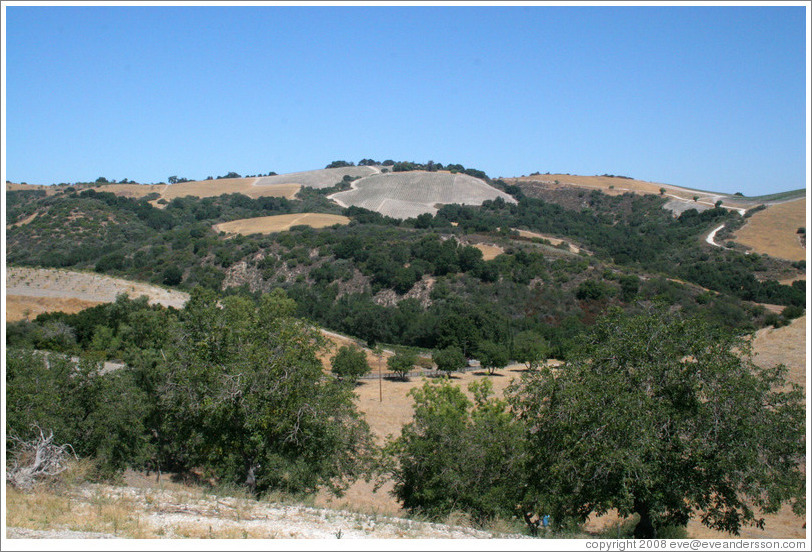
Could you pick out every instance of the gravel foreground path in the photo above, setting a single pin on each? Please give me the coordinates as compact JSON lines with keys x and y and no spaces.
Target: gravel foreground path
{"x":169,"y":514}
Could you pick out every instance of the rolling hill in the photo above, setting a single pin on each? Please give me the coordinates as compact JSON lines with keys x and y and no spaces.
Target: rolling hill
{"x":413,"y":193}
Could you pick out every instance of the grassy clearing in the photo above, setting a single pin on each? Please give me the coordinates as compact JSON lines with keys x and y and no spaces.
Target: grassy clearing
{"x":213,"y":188}
{"x":489,"y":252}
{"x":59,"y":285}
{"x":44,"y":509}
{"x":279,"y":223}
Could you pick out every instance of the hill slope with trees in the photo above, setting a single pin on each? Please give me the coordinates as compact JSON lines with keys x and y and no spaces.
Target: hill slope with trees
{"x":231,"y":385}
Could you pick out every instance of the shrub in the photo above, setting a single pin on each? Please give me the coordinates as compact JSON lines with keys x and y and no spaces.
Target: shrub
{"x":401,"y":363}
{"x":458,"y":456}
{"x":350,"y":363}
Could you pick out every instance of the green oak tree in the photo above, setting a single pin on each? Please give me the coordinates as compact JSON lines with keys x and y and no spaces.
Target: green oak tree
{"x":449,"y":359}
{"x":663,"y":417}
{"x":350,"y":363}
{"x":456,"y":455}
{"x":492,"y":356}
{"x":400,"y":363}
{"x":246,"y":394}
{"x":530,"y":348}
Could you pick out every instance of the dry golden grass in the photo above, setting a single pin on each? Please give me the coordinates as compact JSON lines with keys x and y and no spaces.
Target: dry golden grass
{"x":11,"y":186}
{"x":45,"y":510}
{"x":130,"y":190}
{"x":362,"y":497}
{"x":386,"y":418}
{"x":21,"y":307}
{"x":782,"y":525}
{"x":489,"y":252}
{"x":279,"y":223}
{"x":201,"y":189}
{"x":786,"y":345}
{"x":773,"y":231}
{"x":609,"y":185}
{"x":213,"y":188}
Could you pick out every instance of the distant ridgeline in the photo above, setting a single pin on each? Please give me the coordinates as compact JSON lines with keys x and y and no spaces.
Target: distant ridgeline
{"x":418,"y":281}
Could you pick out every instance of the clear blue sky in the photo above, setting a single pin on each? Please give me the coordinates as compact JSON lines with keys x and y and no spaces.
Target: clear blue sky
{"x":704,"y":97}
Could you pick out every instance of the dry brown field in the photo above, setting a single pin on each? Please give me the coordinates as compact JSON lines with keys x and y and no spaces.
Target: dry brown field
{"x":773,"y":231}
{"x":279,"y":223}
{"x":201,"y":188}
{"x":489,"y":252}
{"x":213,"y":188}
{"x":387,"y":417}
{"x":607,"y":184}
{"x":26,"y":307}
{"x":130,"y":190}
{"x":11,"y":186}
{"x":786,"y":345}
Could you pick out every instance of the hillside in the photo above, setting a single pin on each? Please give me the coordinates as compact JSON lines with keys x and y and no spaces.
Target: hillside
{"x":401,"y":266}
{"x":597,"y":249}
{"x":774,"y":231}
{"x":409,"y":194}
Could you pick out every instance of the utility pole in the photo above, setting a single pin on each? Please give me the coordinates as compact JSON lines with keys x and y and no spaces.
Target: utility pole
{"x":380,"y":378}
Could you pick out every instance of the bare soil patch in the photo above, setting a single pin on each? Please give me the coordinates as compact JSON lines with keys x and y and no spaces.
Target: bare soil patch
{"x":773,"y":231}
{"x":23,"y":221}
{"x":279,"y":223}
{"x":555,"y":241}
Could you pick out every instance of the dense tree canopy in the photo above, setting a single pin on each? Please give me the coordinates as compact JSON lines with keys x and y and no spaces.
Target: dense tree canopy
{"x":244,"y":387}
{"x":663,"y":417}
